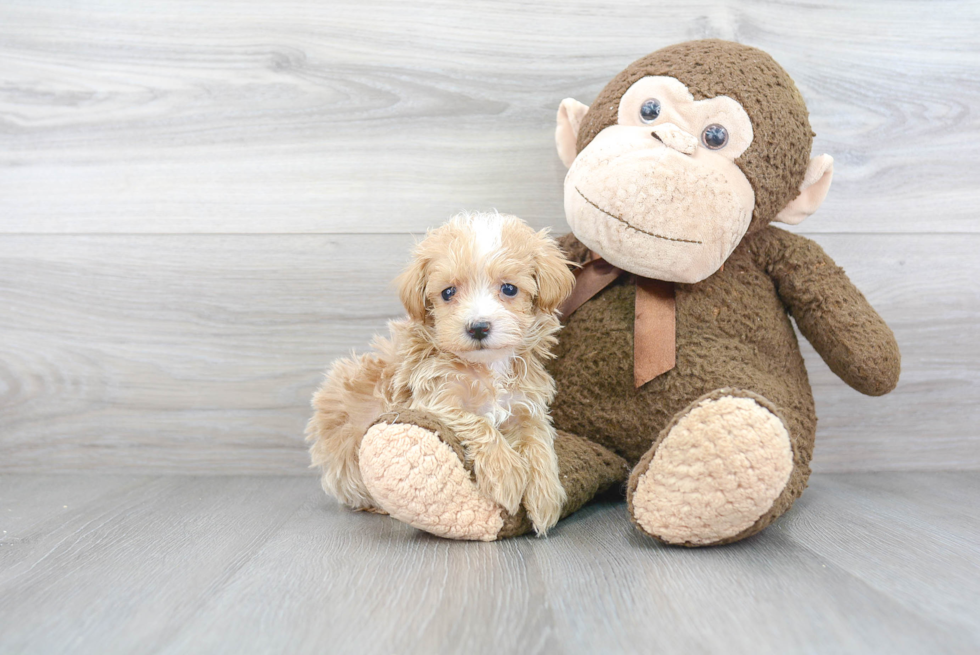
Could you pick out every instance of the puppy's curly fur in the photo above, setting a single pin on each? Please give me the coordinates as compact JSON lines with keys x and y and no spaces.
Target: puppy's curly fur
{"x":482,"y":294}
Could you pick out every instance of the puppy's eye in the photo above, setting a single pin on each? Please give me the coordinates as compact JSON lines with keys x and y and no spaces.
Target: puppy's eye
{"x":508,"y":290}
{"x":448,"y":293}
{"x":650,"y":110}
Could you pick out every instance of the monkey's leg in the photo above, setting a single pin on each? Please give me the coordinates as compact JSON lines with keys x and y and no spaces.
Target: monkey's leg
{"x":415,"y":469}
{"x":722,"y":470}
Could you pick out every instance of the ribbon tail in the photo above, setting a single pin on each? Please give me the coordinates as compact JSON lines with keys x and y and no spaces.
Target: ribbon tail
{"x":654,"y":330}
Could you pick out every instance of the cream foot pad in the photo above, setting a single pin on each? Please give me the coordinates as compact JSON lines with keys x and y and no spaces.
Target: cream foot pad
{"x":419,"y":480}
{"x":718,"y":470}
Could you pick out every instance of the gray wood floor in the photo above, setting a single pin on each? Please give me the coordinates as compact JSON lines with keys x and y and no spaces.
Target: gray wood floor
{"x":872,"y":562}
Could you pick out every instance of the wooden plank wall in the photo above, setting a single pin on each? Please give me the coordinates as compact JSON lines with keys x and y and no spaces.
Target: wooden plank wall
{"x":202,"y":203}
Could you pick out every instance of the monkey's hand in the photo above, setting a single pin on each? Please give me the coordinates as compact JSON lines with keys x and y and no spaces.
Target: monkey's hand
{"x":831,"y":313}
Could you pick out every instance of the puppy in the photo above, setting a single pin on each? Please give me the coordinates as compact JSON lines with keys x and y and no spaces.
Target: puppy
{"x":481,"y":294}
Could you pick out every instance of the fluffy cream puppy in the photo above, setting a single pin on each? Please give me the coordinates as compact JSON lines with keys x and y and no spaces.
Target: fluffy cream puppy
{"x":481,"y":294}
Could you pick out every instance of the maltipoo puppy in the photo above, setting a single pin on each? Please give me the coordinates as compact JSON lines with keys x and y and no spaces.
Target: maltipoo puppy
{"x":482,"y":294}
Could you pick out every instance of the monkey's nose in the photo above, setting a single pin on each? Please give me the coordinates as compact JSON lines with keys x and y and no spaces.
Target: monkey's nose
{"x":479,"y":330}
{"x":675,"y":138}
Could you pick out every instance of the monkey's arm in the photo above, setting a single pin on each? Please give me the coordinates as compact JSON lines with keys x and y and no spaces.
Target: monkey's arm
{"x":831,"y":313}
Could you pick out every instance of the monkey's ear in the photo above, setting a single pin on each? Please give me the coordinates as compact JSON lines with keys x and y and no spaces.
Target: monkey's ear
{"x":813,"y":190}
{"x":555,"y":280}
{"x":411,"y":288}
{"x":570,"y":115}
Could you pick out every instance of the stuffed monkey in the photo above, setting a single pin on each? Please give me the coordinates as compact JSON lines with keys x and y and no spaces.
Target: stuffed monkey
{"x":678,"y":369}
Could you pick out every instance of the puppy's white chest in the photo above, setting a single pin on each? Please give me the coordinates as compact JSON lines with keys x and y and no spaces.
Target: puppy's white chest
{"x":494,"y":400}
{"x":501,"y":409}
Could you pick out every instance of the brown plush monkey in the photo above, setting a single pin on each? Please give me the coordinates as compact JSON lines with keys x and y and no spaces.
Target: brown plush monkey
{"x":678,"y":366}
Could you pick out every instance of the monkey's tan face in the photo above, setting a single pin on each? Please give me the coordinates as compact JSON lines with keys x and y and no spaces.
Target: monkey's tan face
{"x":659,"y":194}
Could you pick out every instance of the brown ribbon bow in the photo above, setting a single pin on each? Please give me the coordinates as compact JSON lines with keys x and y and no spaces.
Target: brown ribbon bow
{"x":654,"y":323}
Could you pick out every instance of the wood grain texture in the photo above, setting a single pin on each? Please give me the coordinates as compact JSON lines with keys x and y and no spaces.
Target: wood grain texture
{"x":201,"y":204}
{"x":200,"y":353}
{"x":26,"y":503}
{"x":179,"y":353}
{"x":128,"y":566}
{"x":898,"y":535}
{"x":865,"y":563}
{"x":175,"y":116}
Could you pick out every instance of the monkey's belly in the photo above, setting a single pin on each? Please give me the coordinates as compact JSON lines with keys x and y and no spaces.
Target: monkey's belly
{"x":732,"y":331}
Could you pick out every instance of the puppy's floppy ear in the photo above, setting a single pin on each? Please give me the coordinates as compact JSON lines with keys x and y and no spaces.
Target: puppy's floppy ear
{"x":555,"y":280}
{"x":411,"y":287}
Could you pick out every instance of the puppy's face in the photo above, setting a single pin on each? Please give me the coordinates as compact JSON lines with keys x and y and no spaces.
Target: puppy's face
{"x":481,"y":281}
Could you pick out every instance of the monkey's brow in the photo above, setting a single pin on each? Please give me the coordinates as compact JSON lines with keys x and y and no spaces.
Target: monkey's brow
{"x":632,"y":227}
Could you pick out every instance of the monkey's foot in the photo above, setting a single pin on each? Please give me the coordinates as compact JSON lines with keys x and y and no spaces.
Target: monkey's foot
{"x":420,"y":479}
{"x":714,"y":473}
{"x":413,"y":467}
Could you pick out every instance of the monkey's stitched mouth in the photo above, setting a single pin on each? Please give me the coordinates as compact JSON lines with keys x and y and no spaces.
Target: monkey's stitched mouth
{"x":633,"y":227}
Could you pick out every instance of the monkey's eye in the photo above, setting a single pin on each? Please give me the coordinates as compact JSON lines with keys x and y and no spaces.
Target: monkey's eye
{"x":448,"y":293}
{"x":650,"y":110}
{"x":508,"y":289}
{"x":714,"y":137}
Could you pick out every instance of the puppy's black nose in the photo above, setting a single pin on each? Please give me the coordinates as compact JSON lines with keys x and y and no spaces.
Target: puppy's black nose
{"x":479,"y":331}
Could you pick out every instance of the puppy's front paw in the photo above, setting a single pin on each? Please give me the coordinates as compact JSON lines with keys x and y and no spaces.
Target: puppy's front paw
{"x":501,"y":474}
{"x":544,"y":499}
